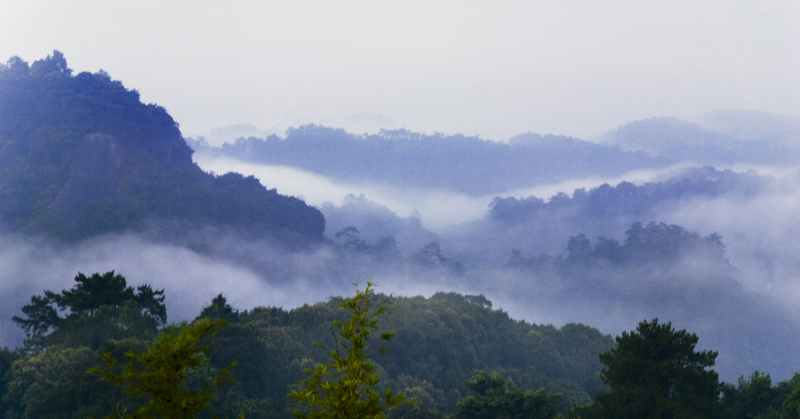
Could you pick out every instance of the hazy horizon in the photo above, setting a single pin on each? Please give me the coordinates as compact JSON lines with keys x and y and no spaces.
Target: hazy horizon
{"x":477,"y":68}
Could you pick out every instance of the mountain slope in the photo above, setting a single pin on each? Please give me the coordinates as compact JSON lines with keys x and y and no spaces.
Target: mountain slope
{"x":81,"y":155}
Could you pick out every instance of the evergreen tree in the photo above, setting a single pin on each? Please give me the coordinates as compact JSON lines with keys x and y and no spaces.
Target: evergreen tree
{"x":655,"y":372}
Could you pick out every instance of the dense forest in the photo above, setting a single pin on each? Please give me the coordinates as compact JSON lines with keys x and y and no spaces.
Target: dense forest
{"x":439,"y":343}
{"x":450,"y":354}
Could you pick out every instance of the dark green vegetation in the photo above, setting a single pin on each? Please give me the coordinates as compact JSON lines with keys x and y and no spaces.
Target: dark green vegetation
{"x":496,"y":397}
{"x":97,"y":308}
{"x":81,"y":155}
{"x":439,"y":343}
{"x":653,"y":270}
{"x":655,"y":372}
{"x":451,"y":356}
{"x":465,"y":164}
{"x":174,"y":374}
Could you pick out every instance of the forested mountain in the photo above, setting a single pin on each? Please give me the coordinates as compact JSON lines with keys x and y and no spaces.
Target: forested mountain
{"x":535,"y":223}
{"x":464,"y":164}
{"x":440,"y":342}
{"x":664,"y":271}
{"x":81,"y":155}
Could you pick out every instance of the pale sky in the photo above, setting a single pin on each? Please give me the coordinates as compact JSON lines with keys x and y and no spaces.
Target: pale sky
{"x":488,"y":68}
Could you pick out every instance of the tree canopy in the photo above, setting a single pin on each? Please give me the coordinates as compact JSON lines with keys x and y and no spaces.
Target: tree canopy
{"x":494,"y":397}
{"x":174,"y":373}
{"x":655,"y":372}
{"x":96,"y":308}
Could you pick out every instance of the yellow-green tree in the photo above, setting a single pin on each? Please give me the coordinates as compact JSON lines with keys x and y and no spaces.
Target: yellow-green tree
{"x":174,"y":374}
{"x":345,"y":387}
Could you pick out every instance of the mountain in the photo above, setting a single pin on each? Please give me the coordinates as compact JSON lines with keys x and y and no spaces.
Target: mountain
{"x":81,"y":155}
{"x":721,"y":141}
{"x":464,"y":164}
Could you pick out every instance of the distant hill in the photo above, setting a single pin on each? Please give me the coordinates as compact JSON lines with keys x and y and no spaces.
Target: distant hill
{"x":766,"y":127}
{"x":81,"y":155}
{"x":465,"y":164}
{"x":725,"y":139}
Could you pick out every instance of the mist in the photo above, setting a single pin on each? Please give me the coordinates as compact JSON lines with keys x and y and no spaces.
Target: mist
{"x":755,"y":220}
{"x":752,"y":209}
{"x":741,"y":295}
{"x":436,"y":208}
{"x":189,"y":279}
{"x":763,"y":235}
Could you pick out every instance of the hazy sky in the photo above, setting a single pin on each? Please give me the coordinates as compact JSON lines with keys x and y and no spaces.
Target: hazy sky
{"x":493,"y":69}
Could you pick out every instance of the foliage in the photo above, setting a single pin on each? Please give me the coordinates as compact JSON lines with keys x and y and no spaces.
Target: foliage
{"x":173,"y":373}
{"x":345,"y":387}
{"x":220,"y":309}
{"x":789,"y":392}
{"x":7,"y":358}
{"x":655,"y":372}
{"x":53,"y":384}
{"x":754,"y":397}
{"x":440,"y":342}
{"x":96,"y":308}
{"x":494,"y":397}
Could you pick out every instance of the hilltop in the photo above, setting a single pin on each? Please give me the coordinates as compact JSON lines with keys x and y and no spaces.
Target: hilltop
{"x":81,"y":155}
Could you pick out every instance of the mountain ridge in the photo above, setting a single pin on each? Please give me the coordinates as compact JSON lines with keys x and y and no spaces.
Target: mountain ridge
{"x":82,"y":155}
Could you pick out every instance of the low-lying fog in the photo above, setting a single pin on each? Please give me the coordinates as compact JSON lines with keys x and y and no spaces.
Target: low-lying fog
{"x":190,"y":280}
{"x":436,"y":209}
{"x":760,"y":231}
{"x":761,"y":235}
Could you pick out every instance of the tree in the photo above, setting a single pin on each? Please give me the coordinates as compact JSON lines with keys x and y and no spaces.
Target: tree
{"x":345,"y":387}
{"x":75,"y":314}
{"x":655,"y":372}
{"x":579,"y":246}
{"x":790,"y":390}
{"x":220,"y":309}
{"x":350,"y":237}
{"x":430,"y":255}
{"x":496,"y":397}
{"x":754,"y":397}
{"x":174,"y":374}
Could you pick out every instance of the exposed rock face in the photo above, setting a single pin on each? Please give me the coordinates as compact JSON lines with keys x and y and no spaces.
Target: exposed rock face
{"x":93,"y":175}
